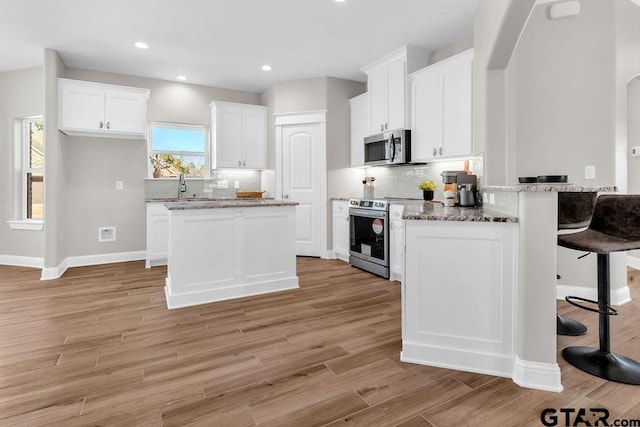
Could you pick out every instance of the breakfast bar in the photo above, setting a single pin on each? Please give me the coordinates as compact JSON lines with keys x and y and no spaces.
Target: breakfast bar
{"x":480,"y":285}
{"x":226,"y":249}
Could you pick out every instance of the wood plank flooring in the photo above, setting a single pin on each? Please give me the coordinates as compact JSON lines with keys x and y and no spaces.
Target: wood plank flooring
{"x":99,"y":347}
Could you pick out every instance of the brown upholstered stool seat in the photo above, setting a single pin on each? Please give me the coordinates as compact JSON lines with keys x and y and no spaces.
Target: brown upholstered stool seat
{"x":574,"y":212}
{"x":614,"y":227}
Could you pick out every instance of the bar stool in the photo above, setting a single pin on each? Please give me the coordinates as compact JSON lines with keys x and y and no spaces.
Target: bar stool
{"x":614,"y":227}
{"x":574,"y":212}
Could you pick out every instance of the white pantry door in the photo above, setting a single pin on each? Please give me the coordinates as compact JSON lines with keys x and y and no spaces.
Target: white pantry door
{"x":303,"y":180}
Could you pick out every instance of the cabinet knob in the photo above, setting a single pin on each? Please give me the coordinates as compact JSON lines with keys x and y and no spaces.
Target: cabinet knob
{"x":239,"y":162}
{"x":285,"y":196}
{"x":101,"y":125}
{"x":386,"y":126}
{"x":381,"y":127}
{"x":108,"y":125}
{"x":244,"y":163}
{"x":435,"y":151}
{"x":440,"y":151}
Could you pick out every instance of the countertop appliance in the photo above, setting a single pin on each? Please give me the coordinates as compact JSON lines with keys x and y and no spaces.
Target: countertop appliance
{"x":369,"y":235}
{"x":465,"y":184}
{"x":388,"y":148}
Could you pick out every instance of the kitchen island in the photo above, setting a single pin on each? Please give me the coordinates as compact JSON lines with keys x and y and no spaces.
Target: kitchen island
{"x":226,"y":249}
{"x":480,"y":286}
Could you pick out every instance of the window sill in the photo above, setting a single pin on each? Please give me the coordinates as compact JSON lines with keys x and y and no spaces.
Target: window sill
{"x":26,"y":224}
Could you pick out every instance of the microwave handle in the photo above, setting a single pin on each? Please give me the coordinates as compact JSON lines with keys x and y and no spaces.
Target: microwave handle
{"x":392,"y":148}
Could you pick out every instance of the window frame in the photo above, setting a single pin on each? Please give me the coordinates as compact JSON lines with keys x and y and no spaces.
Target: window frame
{"x":22,"y":169}
{"x":167,"y":125}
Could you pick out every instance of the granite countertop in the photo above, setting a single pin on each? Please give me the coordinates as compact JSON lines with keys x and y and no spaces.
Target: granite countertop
{"x":226,"y":203}
{"x":566,"y":188}
{"x":198,"y":199}
{"x":430,"y":211}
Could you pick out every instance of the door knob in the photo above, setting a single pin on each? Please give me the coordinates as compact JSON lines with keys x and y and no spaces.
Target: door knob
{"x":285,"y":196}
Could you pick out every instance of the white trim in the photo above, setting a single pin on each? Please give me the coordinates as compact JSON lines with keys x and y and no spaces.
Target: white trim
{"x":457,"y":359}
{"x":618,"y":296}
{"x":22,"y":261}
{"x":633,"y":262}
{"x":86,"y":260}
{"x":230,"y":292}
{"x":303,"y":117}
{"x":26,"y":224}
{"x":541,"y":376}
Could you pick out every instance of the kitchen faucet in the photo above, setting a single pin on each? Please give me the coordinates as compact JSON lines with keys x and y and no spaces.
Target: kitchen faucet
{"x":182,"y":185}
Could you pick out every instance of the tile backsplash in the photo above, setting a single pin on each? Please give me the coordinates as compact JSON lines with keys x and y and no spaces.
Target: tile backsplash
{"x":205,"y":187}
{"x":403,"y":181}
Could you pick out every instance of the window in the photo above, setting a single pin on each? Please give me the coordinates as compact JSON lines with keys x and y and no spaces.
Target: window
{"x":29,"y":200}
{"x":176,"y":149}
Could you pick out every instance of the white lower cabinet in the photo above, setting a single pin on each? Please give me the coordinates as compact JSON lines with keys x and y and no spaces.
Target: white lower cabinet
{"x":157,"y":234}
{"x":341,"y":229}
{"x":396,"y":243}
{"x":458,"y":295}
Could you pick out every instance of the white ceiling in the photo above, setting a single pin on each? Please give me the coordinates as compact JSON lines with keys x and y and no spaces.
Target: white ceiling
{"x":224,"y":43}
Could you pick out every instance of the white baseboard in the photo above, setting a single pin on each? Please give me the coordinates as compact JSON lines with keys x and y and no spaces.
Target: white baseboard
{"x":618,"y":296}
{"x":230,"y":292}
{"x":540,"y":376}
{"x":85,"y":260}
{"x":633,"y":262}
{"x":22,"y":261}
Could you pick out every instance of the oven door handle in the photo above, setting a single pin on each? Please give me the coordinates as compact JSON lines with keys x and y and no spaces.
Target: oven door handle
{"x":368,"y":213}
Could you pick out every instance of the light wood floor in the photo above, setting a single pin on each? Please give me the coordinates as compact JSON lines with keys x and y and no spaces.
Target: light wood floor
{"x":99,"y":347}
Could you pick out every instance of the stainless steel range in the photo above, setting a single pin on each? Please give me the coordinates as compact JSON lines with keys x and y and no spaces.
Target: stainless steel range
{"x":369,"y":235}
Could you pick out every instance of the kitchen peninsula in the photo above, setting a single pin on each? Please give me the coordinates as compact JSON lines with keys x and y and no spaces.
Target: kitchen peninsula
{"x":480,"y":286}
{"x":226,"y":249}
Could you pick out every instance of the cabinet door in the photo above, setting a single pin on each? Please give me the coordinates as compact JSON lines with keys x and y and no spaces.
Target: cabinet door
{"x":341,"y":230}
{"x":396,"y":96}
{"x":457,"y":109}
{"x":359,"y":128}
{"x":254,"y":137}
{"x":125,"y":112}
{"x":377,"y":83}
{"x":426,"y":116}
{"x":227,"y":136}
{"x":81,"y":107}
{"x":157,"y":234}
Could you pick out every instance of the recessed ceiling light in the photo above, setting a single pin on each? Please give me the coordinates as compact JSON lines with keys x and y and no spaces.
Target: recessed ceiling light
{"x":339,"y":1}
{"x":266,"y":68}
{"x":181,"y":78}
{"x":141,"y":45}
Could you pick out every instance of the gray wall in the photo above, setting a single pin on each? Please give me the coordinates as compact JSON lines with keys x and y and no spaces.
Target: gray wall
{"x":22,"y":96}
{"x":97,"y":163}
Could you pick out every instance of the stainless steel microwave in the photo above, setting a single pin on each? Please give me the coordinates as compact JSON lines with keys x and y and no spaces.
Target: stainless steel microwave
{"x":393,"y":147}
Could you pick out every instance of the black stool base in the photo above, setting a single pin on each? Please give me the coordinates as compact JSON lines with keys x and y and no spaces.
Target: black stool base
{"x":610,"y":366}
{"x":568,"y":326}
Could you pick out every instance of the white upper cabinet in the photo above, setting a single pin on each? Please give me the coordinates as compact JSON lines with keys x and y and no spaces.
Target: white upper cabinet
{"x":442,"y":109}
{"x":96,"y":109}
{"x":239,"y":135}
{"x":387,"y":85}
{"x":360,"y":128}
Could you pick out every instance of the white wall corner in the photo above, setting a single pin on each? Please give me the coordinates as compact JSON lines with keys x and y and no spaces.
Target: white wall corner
{"x":51,"y":273}
{"x":540,"y":376}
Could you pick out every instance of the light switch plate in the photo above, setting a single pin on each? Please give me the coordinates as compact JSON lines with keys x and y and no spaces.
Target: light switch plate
{"x":635,"y":152}
{"x":119,"y":185}
{"x":589,"y":172}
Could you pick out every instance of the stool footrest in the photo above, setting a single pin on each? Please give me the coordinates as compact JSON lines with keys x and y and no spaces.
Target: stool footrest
{"x":610,"y":310}
{"x":610,"y":366}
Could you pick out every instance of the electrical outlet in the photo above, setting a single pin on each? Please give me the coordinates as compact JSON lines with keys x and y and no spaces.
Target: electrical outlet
{"x":485,"y":197}
{"x":106,"y":234}
{"x":635,"y":152}
{"x":119,"y":185}
{"x":236,"y":184}
{"x":492,"y":199}
{"x":589,"y":172}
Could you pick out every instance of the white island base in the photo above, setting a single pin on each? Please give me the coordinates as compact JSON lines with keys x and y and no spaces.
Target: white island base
{"x":224,"y":252}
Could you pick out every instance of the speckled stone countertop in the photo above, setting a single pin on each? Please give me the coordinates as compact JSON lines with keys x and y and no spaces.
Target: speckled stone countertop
{"x":430,"y":211}
{"x":197,"y":199}
{"x":566,"y":188}
{"x":226,"y":203}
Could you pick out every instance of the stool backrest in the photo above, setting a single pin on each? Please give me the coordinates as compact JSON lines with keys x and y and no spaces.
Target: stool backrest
{"x":617,"y":215}
{"x":575,"y":208}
